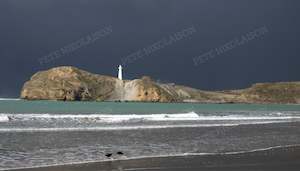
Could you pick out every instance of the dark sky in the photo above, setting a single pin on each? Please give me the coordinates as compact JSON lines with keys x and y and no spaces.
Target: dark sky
{"x":31,"y":29}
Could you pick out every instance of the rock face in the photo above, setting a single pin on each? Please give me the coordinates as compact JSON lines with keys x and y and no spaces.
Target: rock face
{"x":145,"y":89}
{"x":68,"y":83}
{"x":73,"y":84}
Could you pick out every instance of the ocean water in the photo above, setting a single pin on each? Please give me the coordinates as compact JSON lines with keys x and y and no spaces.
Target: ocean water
{"x":43,"y":133}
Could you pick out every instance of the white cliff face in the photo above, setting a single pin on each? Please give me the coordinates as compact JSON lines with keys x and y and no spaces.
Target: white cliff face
{"x":125,"y":91}
{"x":118,"y":93}
{"x":136,"y":90}
{"x":131,"y":91}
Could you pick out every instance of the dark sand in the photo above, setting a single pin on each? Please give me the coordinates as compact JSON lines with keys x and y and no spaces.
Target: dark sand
{"x":179,"y":140}
{"x":284,"y":158}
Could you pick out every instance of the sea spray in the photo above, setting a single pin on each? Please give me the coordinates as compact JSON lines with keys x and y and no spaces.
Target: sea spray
{"x":4,"y":118}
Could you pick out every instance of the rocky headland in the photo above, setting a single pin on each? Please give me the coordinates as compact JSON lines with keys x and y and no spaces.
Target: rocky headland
{"x":72,"y":84}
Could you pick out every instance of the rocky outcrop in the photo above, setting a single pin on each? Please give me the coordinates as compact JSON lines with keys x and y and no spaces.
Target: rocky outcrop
{"x":73,"y":84}
{"x":68,"y":83}
{"x":145,"y":89}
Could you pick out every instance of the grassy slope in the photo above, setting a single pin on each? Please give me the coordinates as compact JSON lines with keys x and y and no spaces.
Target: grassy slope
{"x":283,"y":92}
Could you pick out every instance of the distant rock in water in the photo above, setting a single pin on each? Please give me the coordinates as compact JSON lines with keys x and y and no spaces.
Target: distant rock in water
{"x":68,"y":83}
{"x":73,"y":84}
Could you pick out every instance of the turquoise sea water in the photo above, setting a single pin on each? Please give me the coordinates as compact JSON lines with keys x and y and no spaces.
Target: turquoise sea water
{"x":21,"y":115}
{"x":46,"y":133}
{"x":37,"y":107}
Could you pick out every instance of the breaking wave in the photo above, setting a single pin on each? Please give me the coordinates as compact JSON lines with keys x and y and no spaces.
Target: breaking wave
{"x":118,"y":118}
{"x":108,"y":117}
{"x":9,"y":99}
{"x":4,"y":118}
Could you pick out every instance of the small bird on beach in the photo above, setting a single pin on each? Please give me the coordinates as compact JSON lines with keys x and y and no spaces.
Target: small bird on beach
{"x":108,"y":155}
{"x":10,"y":118}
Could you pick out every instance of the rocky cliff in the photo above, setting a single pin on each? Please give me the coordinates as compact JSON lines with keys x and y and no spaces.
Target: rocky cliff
{"x":73,"y":84}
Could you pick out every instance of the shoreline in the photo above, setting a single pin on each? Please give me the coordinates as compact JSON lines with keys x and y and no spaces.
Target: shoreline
{"x":272,"y":158}
{"x":201,"y":148}
{"x":96,"y":129}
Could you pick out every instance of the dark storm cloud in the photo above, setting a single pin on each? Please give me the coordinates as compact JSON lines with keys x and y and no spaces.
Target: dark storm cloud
{"x":32,"y":29}
{"x":80,"y":43}
{"x":147,"y":51}
{"x":242,"y":40}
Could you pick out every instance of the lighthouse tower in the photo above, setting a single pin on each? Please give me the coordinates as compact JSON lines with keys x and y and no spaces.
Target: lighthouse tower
{"x":120,"y":75}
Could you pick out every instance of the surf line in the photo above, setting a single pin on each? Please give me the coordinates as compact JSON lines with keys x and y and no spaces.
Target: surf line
{"x":71,"y":129}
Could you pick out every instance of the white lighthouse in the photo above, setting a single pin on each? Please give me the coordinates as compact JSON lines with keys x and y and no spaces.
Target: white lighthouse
{"x":120,"y":75}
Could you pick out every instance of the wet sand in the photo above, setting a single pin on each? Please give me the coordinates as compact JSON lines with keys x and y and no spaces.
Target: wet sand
{"x":282,"y":158}
{"x":92,"y":146}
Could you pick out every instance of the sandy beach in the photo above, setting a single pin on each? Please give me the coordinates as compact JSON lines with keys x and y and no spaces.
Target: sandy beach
{"x":242,"y":137}
{"x":266,"y":155}
{"x":281,"y":158}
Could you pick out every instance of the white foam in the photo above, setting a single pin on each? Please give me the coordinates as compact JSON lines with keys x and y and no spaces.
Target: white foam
{"x":243,"y":152}
{"x":112,"y":128}
{"x":241,"y":117}
{"x":9,"y":99}
{"x":4,"y":118}
{"x":111,"y":117}
{"x":151,"y":117}
{"x":117,"y":118}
